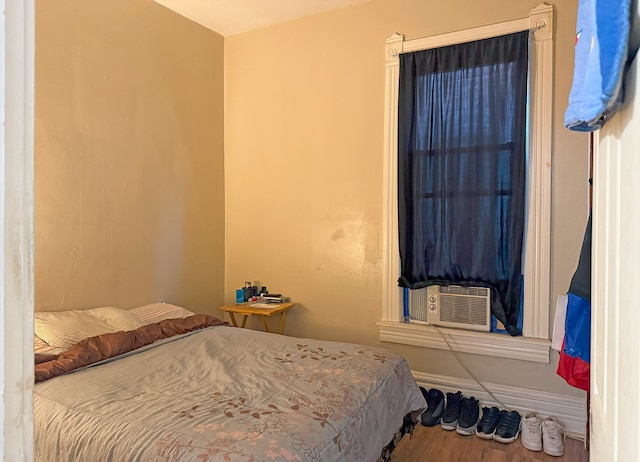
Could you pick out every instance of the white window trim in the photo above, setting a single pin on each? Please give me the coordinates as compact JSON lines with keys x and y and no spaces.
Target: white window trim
{"x":465,"y":341}
{"x":538,"y":234}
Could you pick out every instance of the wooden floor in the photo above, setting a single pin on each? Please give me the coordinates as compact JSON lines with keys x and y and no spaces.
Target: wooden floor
{"x":433,"y":444}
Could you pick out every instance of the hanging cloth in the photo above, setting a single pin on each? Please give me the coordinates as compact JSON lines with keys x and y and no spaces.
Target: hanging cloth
{"x":574,"y":363}
{"x":603,"y":48}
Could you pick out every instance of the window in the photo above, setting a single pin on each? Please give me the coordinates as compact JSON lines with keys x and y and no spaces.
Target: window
{"x":462,"y":117}
{"x":534,"y":345}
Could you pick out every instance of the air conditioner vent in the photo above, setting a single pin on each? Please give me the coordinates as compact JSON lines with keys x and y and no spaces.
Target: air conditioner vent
{"x":452,"y":306}
{"x":458,"y":290}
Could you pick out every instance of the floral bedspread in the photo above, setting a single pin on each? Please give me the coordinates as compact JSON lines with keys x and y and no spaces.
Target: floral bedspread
{"x":228,"y":394}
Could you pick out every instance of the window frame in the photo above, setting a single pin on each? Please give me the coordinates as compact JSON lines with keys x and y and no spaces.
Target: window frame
{"x":534,"y":343}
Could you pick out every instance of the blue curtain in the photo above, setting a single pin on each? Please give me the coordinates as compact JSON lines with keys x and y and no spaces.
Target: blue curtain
{"x":462,"y":119}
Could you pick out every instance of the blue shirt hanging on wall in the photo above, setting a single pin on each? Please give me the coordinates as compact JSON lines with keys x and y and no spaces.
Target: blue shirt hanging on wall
{"x":605,"y":42}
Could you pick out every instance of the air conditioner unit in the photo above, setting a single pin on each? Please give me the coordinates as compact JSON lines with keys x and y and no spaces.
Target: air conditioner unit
{"x":452,"y":306}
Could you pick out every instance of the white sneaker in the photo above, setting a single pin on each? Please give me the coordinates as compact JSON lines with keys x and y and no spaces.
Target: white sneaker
{"x":531,"y":435}
{"x":552,"y":437}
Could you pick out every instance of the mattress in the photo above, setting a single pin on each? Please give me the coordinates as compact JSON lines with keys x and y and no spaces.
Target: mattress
{"x":228,"y":394}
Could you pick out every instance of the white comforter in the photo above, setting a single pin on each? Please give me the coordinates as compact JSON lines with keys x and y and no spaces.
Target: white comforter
{"x":228,"y":394}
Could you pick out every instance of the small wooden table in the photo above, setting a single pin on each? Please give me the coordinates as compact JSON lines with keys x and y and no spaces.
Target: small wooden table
{"x":247,"y":310}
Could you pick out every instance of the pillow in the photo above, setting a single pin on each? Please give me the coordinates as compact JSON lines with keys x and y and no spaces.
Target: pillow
{"x":156,"y":312}
{"x":42,"y":347}
{"x":62,"y":329}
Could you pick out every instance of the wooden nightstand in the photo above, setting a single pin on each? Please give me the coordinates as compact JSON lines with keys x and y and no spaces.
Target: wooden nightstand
{"x":247,"y":310}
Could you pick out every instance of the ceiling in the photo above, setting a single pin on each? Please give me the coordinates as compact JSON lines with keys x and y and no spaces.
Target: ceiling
{"x":228,"y":17}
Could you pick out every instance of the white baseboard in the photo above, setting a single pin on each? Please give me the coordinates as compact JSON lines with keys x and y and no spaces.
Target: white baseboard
{"x":570,"y":411}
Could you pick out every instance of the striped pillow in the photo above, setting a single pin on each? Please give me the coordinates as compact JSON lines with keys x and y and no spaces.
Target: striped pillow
{"x":42,"y":347}
{"x":62,"y":329}
{"x":156,"y":312}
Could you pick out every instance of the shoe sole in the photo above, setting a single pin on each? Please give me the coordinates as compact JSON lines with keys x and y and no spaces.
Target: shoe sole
{"x":484,"y":436}
{"x":501,"y":439}
{"x":431,"y":424}
{"x":554,"y":454}
{"x":449,"y":425}
{"x":467,"y":431}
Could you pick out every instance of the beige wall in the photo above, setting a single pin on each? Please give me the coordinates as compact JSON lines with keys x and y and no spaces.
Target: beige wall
{"x":303,"y":168}
{"x":129,"y":163}
{"x":129,"y":182}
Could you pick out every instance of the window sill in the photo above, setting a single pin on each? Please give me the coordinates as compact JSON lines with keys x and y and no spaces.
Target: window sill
{"x":462,"y":341}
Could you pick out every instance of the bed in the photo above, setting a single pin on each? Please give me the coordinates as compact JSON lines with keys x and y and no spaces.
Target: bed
{"x":161,"y":383}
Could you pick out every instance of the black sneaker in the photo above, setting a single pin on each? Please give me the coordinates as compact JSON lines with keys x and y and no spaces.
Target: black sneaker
{"x":488,"y":423}
{"x":508,"y":427}
{"x":469,"y":416}
{"x":452,"y":411}
{"x":435,"y":407}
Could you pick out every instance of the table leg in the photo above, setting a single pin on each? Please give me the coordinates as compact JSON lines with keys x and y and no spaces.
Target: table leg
{"x":233,"y":319}
{"x":266,"y":325}
{"x":281,"y":328}
{"x":244,"y":320}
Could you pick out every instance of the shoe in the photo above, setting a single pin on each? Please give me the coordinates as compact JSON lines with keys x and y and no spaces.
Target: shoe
{"x":435,"y":407}
{"x":508,"y":427}
{"x":531,"y":432}
{"x":469,"y":416}
{"x":452,"y":411}
{"x":552,"y":437}
{"x":488,"y":422}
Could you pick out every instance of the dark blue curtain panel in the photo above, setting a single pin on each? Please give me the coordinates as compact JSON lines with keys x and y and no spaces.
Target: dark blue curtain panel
{"x":462,"y":120}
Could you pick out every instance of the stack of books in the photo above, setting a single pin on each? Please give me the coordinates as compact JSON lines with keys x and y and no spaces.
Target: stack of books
{"x":274,"y":298}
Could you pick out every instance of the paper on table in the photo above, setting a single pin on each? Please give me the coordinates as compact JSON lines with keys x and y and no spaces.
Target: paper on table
{"x":269,"y":306}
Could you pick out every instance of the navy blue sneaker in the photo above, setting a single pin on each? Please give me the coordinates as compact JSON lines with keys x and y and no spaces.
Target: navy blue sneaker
{"x":488,"y":422}
{"x":469,"y":416}
{"x":435,"y":407}
{"x":452,"y":411}
{"x":508,"y":427}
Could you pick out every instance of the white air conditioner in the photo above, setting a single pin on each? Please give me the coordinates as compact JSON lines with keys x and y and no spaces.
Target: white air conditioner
{"x":452,"y":306}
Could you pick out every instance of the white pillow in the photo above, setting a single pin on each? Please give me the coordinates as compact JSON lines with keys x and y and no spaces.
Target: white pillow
{"x":62,"y":329}
{"x":156,"y":312}
{"x":42,"y":347}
